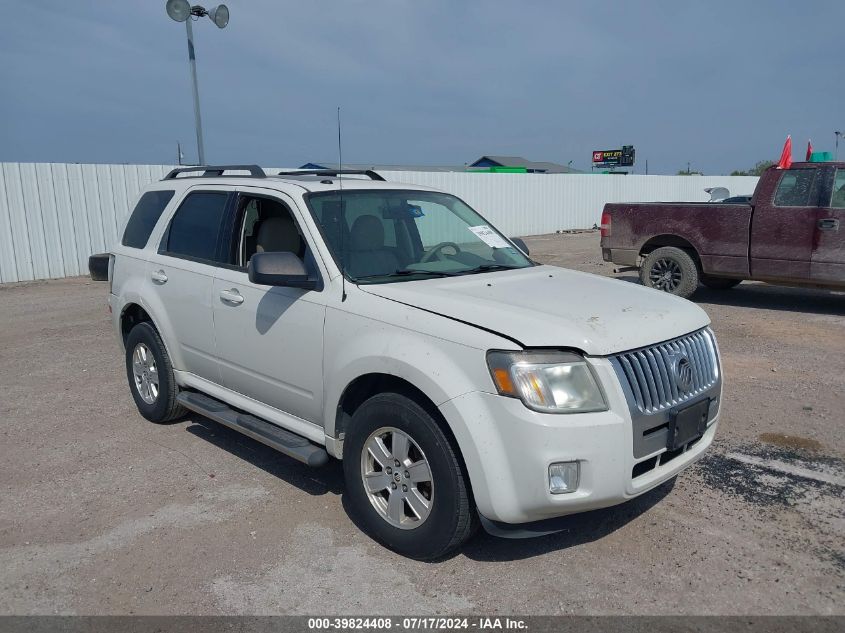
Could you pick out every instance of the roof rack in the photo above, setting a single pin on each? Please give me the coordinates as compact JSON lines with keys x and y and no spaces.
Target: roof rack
{"x":333,"y":172}
{"x":209,"y":171}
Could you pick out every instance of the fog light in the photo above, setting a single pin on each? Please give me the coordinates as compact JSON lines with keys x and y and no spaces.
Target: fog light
{"x":563,"y":477}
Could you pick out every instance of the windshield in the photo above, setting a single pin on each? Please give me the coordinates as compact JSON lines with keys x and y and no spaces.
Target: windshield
{"x":390,"y":235}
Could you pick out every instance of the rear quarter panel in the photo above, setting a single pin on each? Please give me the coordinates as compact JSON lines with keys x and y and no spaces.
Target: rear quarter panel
{"x":717,"y":232}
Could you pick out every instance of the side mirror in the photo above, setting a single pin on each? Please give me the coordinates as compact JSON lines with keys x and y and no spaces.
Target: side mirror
{"x":279,"y":269}
{"x":520,"y":244}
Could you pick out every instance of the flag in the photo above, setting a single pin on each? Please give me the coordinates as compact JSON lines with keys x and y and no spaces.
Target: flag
{"x":785,"y":161}
{"x":809,"y":150}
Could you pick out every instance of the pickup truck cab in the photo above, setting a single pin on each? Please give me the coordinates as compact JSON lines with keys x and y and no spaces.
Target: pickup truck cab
{"x":792,"y":232}
{"x":334,"y":315}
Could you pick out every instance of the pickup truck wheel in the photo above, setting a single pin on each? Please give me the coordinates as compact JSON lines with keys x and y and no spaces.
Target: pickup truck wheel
{"x":720,"y":283}
{"x":671,"y":270}
{"x":404,"y":480}
{"x":150,"y":375}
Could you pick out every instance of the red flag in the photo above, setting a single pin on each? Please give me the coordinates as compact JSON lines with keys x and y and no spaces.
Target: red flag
{"x":809,"y":150}
{"x":785,"y":161}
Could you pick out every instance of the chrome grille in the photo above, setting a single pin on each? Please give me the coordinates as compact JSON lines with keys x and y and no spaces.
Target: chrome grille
{"x":653,"y":376}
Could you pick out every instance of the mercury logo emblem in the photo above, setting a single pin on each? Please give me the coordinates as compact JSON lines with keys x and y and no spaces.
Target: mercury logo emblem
{"x":683,"y":373}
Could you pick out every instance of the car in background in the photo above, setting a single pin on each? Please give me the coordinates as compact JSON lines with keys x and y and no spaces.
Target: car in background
{"x":791,"y":231}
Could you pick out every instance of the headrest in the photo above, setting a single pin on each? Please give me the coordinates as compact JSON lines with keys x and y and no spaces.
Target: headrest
{"x":278,"y":234}
{"x":367,"y":233}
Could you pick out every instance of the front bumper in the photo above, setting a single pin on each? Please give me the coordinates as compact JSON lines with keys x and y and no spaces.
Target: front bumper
{"x":507,"y":449}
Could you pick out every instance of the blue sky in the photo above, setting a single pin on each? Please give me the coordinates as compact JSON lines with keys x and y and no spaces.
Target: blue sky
{"x":719,"y":84}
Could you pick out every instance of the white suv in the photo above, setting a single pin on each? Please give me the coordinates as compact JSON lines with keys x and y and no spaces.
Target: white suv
{"x":332,"y":314}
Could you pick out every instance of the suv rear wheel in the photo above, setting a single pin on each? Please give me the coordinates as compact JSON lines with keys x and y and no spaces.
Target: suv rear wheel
{"x":150,"y":375}
{"x":404,"y":479}
{"x":671,"y":270}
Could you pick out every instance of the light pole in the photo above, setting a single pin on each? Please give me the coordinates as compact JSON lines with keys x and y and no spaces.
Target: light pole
{"x":838,"y":136}
{"x":182,"y":11}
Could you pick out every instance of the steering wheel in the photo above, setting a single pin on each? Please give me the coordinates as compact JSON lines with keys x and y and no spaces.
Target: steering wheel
{"x":434,"y":253}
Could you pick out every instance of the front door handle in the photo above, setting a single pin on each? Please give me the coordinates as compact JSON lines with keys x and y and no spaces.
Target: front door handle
{"x":828,"y":224}
{"x":232,"y":296}
{"x":158,"y":276}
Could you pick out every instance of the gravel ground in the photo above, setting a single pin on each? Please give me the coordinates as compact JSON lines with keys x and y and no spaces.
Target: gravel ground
{"x":105,"y":513}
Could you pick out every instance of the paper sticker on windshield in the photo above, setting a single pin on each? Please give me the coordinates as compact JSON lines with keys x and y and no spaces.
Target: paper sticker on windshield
{"x":489,"y":236}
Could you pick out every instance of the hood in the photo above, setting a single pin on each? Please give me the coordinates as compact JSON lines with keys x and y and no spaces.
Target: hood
{"x":546,"y":306}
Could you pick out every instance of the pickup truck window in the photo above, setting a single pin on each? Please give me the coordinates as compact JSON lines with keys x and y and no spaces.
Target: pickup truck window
{"x":195,"y":228}
{"x":837,"y":200}
{"x":795,"y":187}
{"x":144,"y":217}
{"x":387,"y":236}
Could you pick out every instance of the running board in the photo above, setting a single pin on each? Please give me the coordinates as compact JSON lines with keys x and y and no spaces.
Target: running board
{"x":284,"y":441}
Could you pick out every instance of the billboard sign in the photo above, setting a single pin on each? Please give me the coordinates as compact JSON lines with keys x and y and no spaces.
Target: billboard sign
{"x":614,"y":157}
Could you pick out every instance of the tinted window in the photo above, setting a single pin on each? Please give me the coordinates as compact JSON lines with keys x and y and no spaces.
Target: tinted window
{"x":838,"y":198}
{"x":195,"y":228}
{"x":144,"y":218}
{"x":794,"y":188}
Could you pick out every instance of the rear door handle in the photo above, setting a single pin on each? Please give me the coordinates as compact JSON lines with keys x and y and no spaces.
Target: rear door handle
{"x":232,"y":296}
{"x":828,"y":224}
{"x":158,"y":276}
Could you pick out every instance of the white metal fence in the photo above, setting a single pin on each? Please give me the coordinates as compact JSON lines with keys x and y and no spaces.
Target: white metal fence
{"x":54,"y":215}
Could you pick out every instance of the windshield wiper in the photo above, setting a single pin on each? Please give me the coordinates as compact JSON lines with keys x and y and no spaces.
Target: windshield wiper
{"x":403,"y":272}
{"x":483,"y":268}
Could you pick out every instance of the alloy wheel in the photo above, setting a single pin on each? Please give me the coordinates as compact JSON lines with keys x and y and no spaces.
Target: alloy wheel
{"x":665,"y":275}
{"x":145,"y":373}
{"x":397,"y":478}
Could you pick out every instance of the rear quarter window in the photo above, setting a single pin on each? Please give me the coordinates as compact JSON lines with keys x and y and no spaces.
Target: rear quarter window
{"x":144,"y":217}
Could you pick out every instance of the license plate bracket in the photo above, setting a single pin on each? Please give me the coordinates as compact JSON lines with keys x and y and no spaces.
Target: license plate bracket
{"x":687,"y":424}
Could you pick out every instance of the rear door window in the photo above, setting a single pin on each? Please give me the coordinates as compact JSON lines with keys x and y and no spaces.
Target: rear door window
{"x":837,"y":200}
{"x":795,"y":188}
{"x":196,"y":227}
{"x":144,"y":218}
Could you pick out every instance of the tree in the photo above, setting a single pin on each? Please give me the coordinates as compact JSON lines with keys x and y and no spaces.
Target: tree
{"x":757,"y":170}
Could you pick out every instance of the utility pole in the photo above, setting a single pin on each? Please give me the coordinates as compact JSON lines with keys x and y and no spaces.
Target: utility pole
{"x":182,"y":11}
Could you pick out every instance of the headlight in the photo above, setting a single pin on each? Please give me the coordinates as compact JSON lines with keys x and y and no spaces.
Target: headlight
{"x":547,"y":381}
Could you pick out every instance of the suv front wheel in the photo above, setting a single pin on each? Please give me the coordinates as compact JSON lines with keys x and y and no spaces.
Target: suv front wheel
{"x":404,"y":479}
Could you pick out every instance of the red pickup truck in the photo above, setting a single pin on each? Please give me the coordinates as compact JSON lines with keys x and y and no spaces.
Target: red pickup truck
{"x":792,"y":233}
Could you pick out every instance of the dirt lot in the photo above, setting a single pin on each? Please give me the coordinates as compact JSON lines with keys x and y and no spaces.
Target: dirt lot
{"x":103,"y":512}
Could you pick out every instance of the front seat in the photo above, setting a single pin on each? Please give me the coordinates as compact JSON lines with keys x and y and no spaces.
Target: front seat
{"x":277,"y":234}
{"x":367,"y":253}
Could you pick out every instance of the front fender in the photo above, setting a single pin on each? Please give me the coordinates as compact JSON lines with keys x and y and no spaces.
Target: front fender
{"x":356,"y":346}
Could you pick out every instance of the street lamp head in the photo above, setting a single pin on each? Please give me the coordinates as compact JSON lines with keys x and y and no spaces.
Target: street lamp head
{"x":179,"y":10}
{"x":219,"y":15}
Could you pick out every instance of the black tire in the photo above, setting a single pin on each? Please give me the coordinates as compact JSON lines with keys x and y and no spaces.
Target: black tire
{"x":164,"y":408}
{"x":720,"y":283}
{"x":671,"y":270}
{"x":452,"y":517}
